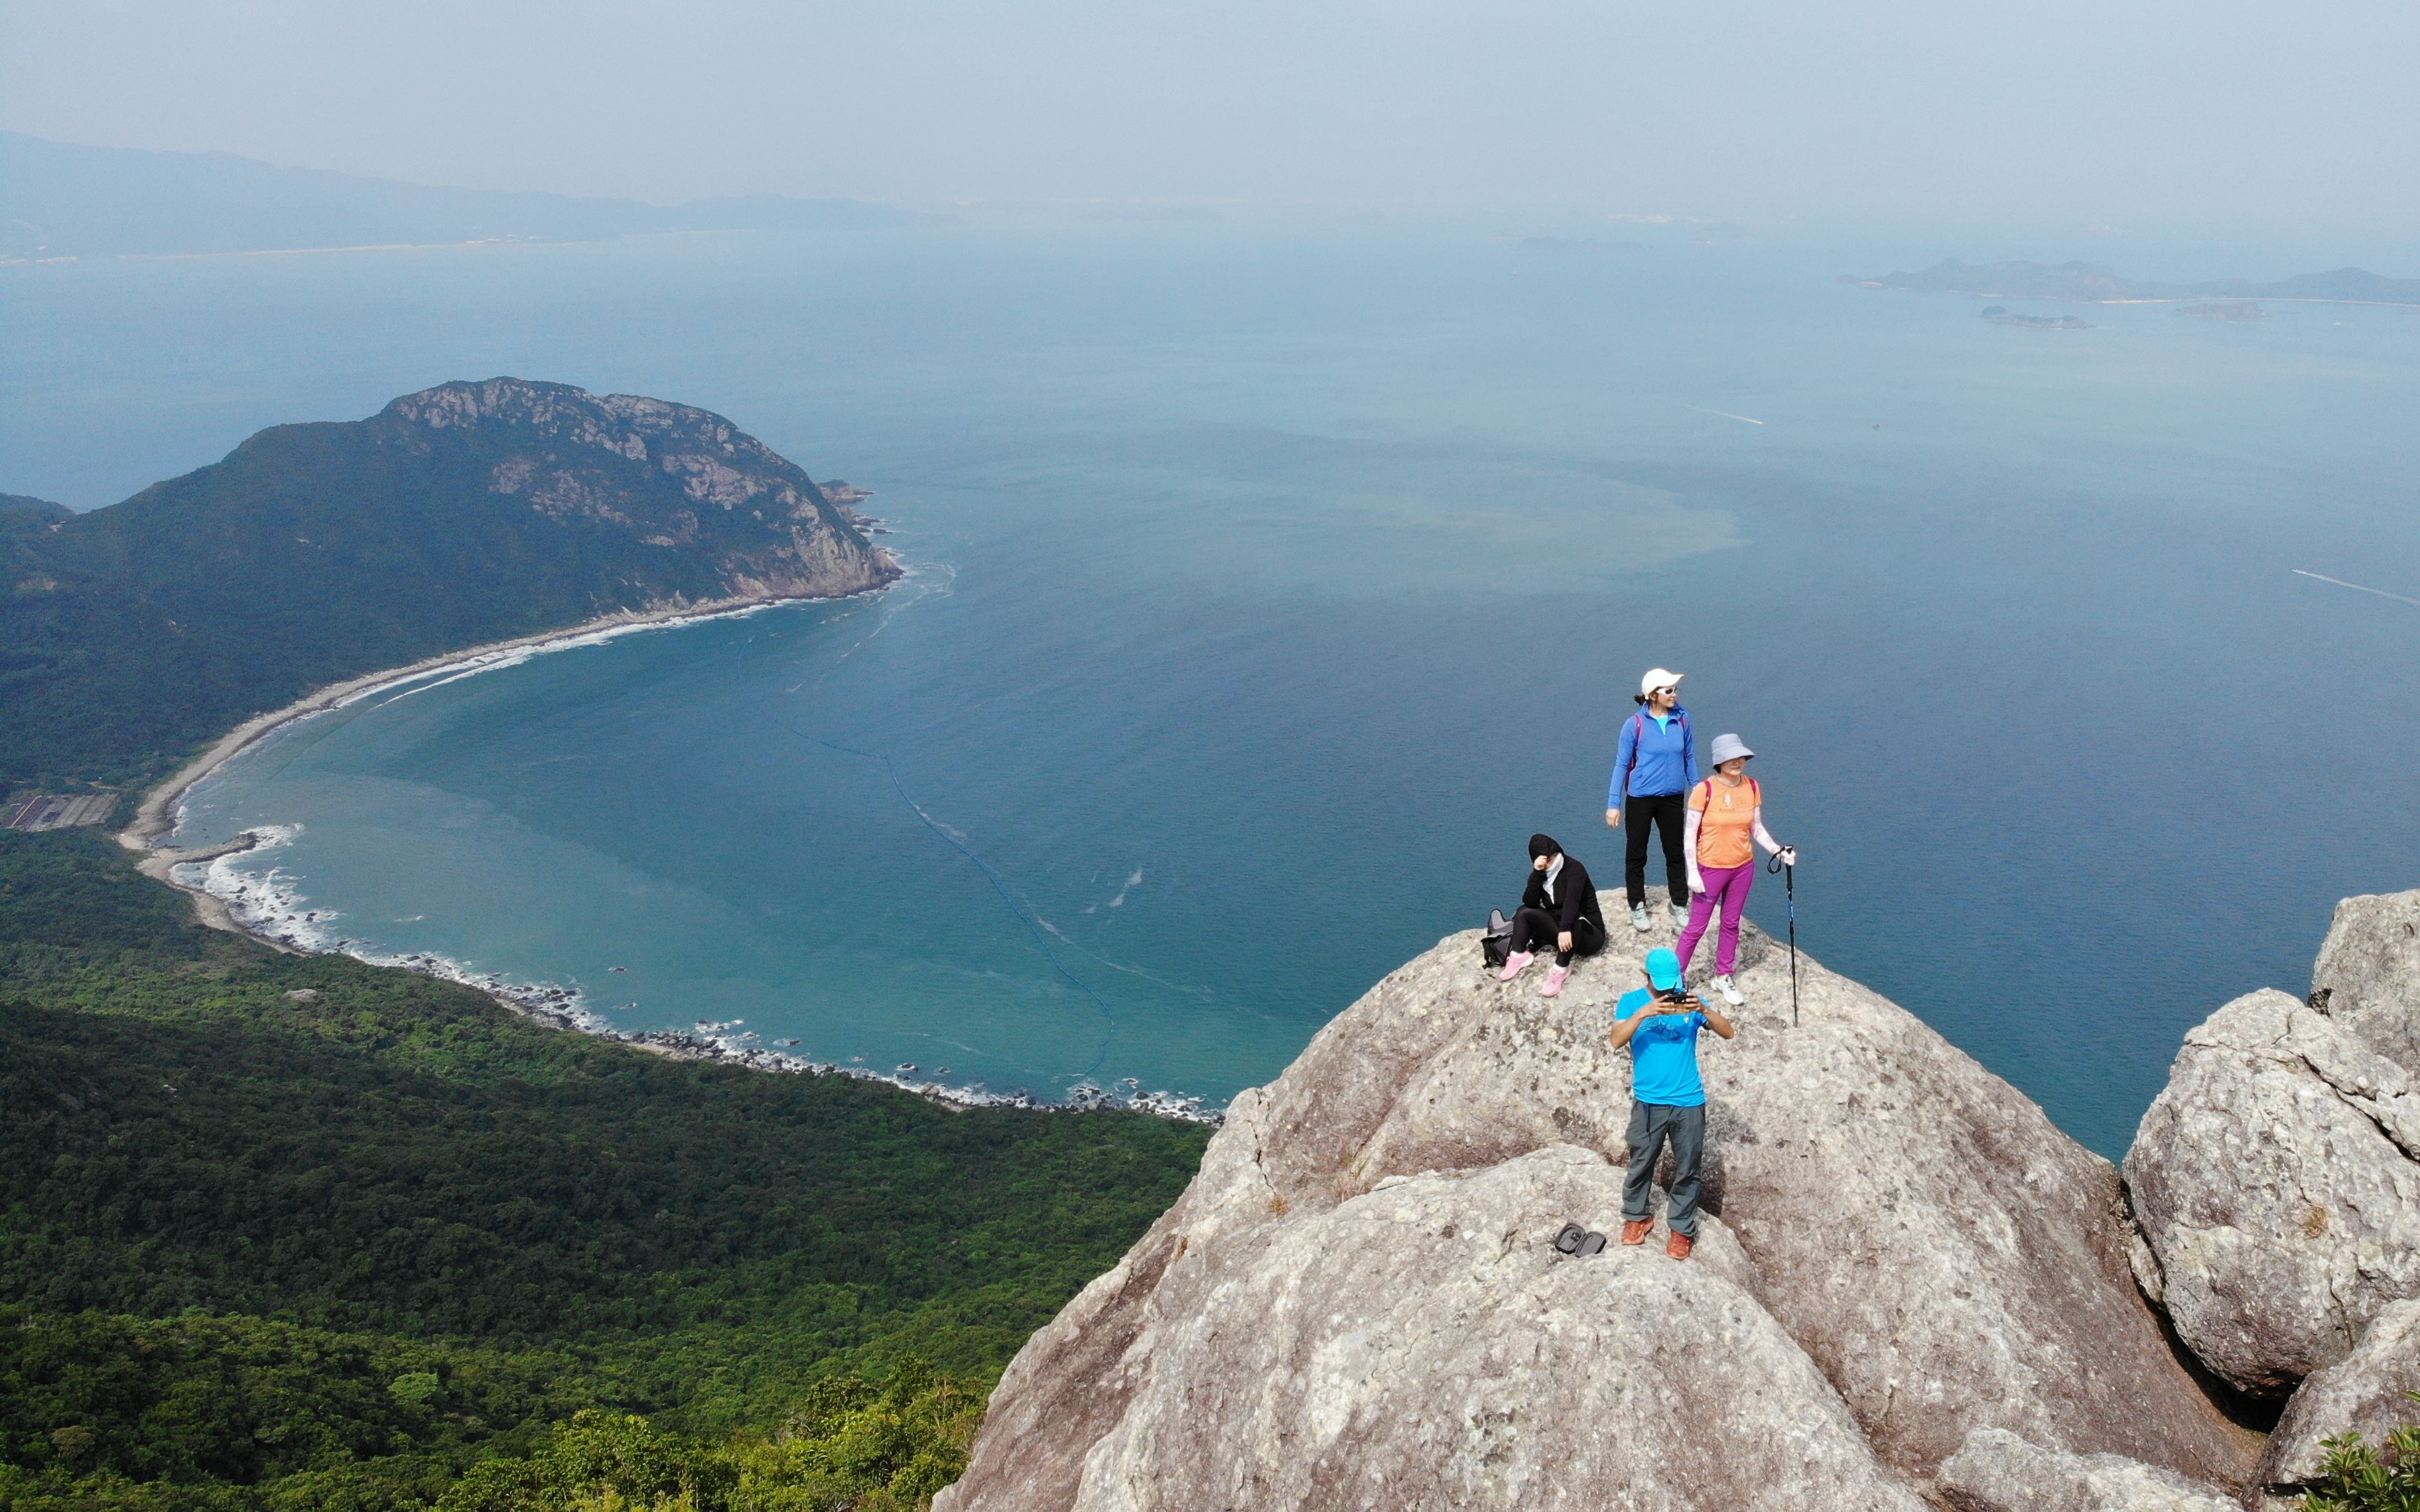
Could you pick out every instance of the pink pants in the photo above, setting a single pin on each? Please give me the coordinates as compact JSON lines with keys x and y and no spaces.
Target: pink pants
{"x":1726,"y":886}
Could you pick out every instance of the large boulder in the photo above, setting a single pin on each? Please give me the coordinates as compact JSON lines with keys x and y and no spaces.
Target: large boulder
{"x":2367,"y":977}
{"x":1944,"y":1256}
{"x":1994,"y":1471}
{"x":2368,"y":1392}
{"x":1424,"y":1345}
{"x":2276,"y":1180}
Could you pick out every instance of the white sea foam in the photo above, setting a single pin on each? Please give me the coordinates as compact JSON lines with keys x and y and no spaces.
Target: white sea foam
{"x":270,"y":904}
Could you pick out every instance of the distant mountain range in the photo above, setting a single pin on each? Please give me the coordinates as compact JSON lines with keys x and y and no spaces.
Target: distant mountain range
{"x":61,"y":200}
{"x":2086,"y":281}
{"x":464,"y":514}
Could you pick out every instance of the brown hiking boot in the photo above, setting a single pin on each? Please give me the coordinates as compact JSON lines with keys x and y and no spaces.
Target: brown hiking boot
{"x":1680,"y":1247}
{"x":1634,"y":1231}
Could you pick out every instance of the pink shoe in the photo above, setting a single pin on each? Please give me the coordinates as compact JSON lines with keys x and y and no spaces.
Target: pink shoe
{"x":1554,"y":980}
{"x":1514,"y":965}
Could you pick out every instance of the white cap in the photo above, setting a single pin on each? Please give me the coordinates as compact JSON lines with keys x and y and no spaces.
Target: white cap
{"x":1658,"y":678}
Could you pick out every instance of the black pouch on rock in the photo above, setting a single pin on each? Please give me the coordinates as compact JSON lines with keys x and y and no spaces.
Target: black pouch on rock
{"x":1498,"y":943}
{"x":1570,"y":1239}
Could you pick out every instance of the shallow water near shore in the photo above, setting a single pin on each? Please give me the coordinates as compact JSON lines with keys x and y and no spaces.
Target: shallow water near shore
{"x":1270,"y":588}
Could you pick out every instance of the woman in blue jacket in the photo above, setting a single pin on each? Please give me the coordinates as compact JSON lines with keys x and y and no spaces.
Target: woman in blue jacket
{"x":1654,"y":765}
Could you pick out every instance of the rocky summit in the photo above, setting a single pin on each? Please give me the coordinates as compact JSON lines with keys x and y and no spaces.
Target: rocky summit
{"x":1911,"y":1289}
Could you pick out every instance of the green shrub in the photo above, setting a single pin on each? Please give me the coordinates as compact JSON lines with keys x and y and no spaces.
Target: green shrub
{"x":2358,"y":1477}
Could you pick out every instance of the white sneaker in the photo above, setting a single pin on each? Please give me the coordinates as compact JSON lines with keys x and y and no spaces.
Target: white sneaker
{"x":1730,"y":990}
{"x":1638,"y":919}
{"x":1679,"y":916}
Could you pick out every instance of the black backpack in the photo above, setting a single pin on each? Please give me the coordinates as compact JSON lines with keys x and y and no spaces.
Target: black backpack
{"x":1498,"y":942}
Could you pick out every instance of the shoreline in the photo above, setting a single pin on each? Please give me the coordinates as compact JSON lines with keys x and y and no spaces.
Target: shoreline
{"x":156,"y":816}
{"x":547,"y":1005}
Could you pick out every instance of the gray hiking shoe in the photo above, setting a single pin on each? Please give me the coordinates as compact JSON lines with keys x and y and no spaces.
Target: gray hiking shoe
{"x":1679,"y":916}
{"x":1638,"y":919}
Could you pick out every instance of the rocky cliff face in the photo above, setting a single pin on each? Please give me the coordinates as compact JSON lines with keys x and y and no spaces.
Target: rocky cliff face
{"x":2277,"y":1185}
{"x":669,"y":475}
{"x":1357,"y":1303}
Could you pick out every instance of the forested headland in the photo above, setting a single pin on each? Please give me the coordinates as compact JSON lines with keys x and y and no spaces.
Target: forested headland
{"x":284,"y":1231}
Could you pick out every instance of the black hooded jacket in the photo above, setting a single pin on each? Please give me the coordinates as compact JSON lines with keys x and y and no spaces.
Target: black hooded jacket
{"x":1575,"y":894}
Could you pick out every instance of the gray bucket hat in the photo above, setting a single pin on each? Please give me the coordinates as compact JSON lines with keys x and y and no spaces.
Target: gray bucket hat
{"x":1727,"y":747}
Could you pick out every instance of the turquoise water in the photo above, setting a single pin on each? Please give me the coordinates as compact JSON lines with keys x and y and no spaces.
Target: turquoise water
{"x":1271,"y":587}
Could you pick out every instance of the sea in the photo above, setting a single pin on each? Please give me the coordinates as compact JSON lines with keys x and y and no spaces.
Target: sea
{"x":1271,"y":580}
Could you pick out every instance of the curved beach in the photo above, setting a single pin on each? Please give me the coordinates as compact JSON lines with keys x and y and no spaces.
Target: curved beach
{"x":553,"y":1006}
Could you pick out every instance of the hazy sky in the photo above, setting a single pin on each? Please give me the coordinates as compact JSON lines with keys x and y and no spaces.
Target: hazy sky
{"x":2076,"y":113}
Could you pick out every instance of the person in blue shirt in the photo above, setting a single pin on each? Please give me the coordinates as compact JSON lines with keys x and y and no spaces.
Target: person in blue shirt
{"x":1654,"y":766}
{"x":1668,"y":1100}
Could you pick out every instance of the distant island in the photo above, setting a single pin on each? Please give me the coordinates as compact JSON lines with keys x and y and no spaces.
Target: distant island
{"x":60,"y":200}
{"x":1999,"y":314}
{"x":464,"y":514}
{"x":2100,"y":285}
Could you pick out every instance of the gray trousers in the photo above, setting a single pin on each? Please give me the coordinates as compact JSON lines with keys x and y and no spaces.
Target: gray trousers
{"x":1650,"y":1124}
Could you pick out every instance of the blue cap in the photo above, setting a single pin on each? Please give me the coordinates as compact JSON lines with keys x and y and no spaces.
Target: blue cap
{"x":1663,"y":969}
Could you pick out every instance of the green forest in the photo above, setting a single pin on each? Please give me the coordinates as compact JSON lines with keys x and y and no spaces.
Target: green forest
{"x":298,"y":1232}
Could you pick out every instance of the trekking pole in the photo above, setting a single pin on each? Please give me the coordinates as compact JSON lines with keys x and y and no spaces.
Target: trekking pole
{"x":1790,"y":890}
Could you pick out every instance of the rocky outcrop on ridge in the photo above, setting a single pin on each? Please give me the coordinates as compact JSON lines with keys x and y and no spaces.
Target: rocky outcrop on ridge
{"x":671,"y":475}
{"x":1415,"y":1347}
{"x":2278,"y":1177}
{"x":2368,"y":1392}
{"x":1994,"y":1471}
{"x":2367,"y":977}
{"x":1357,"y":1303}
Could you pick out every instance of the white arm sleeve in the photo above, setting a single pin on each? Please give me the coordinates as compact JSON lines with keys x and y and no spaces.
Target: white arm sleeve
{"x":1764,"y":836}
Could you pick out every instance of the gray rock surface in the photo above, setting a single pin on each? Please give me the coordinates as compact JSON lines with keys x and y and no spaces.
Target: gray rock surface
{"x":2367,"y":977}
{"x":1995,"y":1471}
{"x":1940,"y":1253}
{"x":2276,"y":1184}
{"x":2367,"y":1392}
{"x":1423,"y":1344}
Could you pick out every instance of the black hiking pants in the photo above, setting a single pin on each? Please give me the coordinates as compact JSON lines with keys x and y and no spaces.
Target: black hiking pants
{"x":1670,"y":811}
{"x":1534,"y":928}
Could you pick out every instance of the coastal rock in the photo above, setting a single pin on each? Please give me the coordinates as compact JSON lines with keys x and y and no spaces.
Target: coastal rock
{"x":659,"y":471}
{"x":1424,"y":1345}
{"x":1995,"y":1471}
{"x":1944,"y":1258}
{"x":2367,"y":977}
{"x":2276,"y":1180}
{"x":2367,"y":1392}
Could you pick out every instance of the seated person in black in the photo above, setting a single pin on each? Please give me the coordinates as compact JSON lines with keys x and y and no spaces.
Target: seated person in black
{"x":1558,"y":905}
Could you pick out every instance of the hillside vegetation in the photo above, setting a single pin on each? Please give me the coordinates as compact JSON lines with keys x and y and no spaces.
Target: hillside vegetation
{"x":387,"y":1228}
{"x":298,"y":1234}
